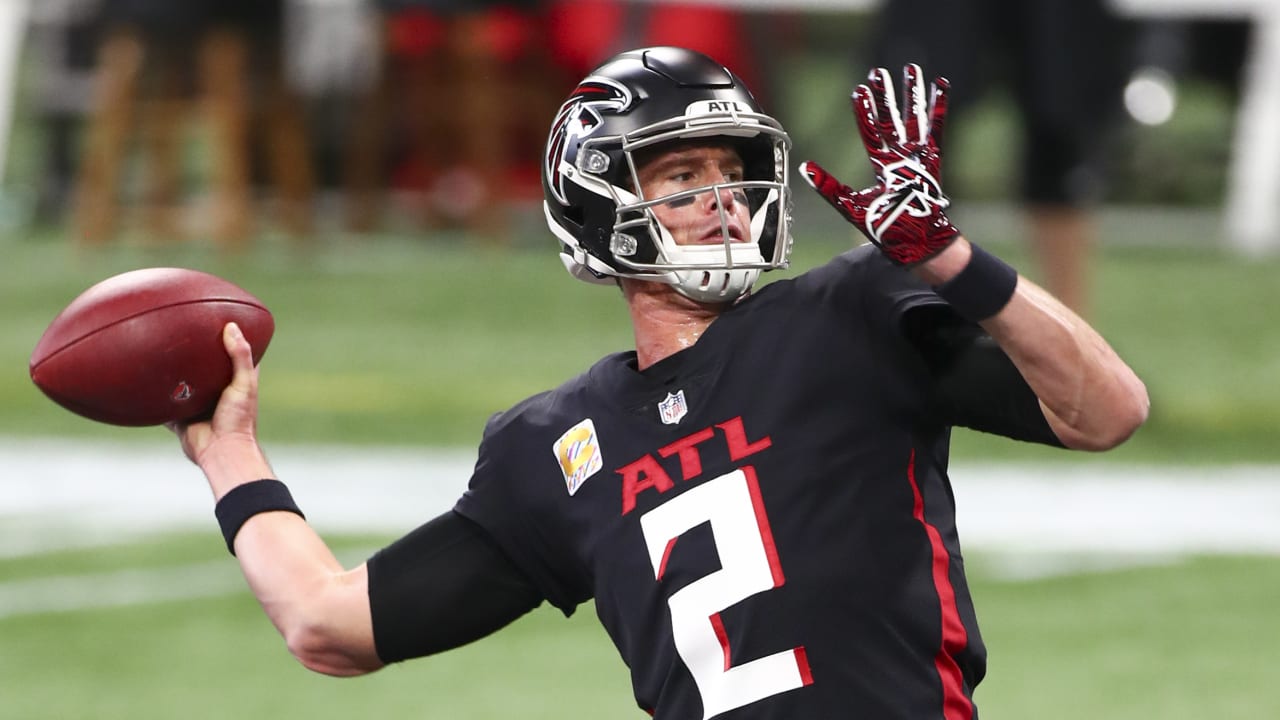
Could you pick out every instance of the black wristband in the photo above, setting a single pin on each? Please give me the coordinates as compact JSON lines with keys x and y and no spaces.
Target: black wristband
{"x":982,"y":288}
{"x":244,"y":501}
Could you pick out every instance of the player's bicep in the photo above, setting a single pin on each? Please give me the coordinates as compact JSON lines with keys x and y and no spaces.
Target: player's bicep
{"x":441,"y":586}
{"x":976,"y":385}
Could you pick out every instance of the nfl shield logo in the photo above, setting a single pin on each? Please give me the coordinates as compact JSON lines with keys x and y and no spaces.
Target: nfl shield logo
{"x":673,"y":409}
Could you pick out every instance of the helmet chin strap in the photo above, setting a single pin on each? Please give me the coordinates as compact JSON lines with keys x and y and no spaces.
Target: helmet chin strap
{"x":711,"y":284}
{"x":714,"y":286}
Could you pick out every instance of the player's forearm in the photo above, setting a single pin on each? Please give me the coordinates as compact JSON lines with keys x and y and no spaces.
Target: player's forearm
{"x":1092,"y":399}
{"x":321,"y":610}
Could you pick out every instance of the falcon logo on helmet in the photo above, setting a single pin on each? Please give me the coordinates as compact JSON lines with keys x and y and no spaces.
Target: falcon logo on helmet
{"x":577,"y":119}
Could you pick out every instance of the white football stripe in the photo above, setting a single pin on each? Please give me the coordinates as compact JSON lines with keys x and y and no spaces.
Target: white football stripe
{"x":60,"y":493}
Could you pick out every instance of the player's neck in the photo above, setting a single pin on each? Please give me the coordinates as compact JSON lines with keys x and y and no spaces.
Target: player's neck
{"x":665,"y":322}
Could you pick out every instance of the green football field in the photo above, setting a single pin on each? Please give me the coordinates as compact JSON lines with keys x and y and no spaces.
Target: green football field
{"x":415,"y":339}
{"x":406,"y":340}
{"x":1188,"y":639}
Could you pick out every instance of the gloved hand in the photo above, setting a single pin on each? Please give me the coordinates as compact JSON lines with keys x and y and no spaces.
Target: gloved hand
{"x":904,"y":212}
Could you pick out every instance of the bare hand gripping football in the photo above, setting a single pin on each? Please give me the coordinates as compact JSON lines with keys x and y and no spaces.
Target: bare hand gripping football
{"x":904,"y":212}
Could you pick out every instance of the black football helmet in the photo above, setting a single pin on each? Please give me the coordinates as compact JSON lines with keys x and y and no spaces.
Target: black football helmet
{"x":592,"y":198}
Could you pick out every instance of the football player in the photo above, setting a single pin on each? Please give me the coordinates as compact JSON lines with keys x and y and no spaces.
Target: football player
{"x":756,"y":496}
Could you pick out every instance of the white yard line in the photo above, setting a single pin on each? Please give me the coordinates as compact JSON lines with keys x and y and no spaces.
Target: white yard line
{"x":132,"y":586}
{"x":61,"y":493}
{"x":1025,"y":521}
{"x":118,"y":589}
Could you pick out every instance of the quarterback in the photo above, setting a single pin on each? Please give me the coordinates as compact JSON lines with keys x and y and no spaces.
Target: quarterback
{"x":754,"y":498}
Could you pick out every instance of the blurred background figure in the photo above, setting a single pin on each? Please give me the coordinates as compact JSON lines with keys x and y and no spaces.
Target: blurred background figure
{"x":1065,"y":63}
{"x":583,"y":33}
{"x":61,"y":40}
{"x":449,"y":119}
{"x":156,"y":61}
{"x":427,"y":115}
{"x":452,"y":123}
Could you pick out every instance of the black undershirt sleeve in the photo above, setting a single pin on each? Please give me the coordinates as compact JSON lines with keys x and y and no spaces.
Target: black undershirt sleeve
{"x":977,"y":386}
{"x":442,"y":586}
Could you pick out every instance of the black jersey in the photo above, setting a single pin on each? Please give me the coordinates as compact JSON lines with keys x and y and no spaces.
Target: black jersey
{"x":764,"y":519}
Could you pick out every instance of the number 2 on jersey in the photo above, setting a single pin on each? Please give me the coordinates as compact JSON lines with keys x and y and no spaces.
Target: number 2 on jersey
{"x":748,"y":565}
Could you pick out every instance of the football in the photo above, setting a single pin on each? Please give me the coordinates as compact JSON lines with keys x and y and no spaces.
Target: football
{"x":145,"y":347}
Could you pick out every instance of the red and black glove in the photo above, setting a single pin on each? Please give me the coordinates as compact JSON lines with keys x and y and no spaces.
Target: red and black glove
{"x":904,"y":212}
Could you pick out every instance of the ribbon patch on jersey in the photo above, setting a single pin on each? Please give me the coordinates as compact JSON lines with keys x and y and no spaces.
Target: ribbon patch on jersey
{"x":578,"y":452}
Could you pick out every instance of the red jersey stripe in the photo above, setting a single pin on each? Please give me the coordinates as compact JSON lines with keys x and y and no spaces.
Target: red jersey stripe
{"x":955,"y":704}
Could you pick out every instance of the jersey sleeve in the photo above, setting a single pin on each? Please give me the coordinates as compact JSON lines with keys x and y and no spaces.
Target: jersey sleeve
{"x":506,"y":499}
{"x":863,"y":284}
{"x":976,"y":385}
{"x":971,"y":382}
{"x":441,"y":586}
